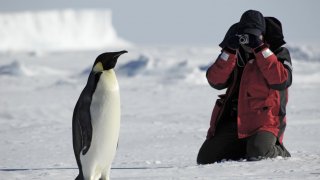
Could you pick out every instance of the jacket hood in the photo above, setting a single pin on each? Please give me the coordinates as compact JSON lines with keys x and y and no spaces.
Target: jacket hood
{"x":273,"y":34}
{"x":252,"y":22}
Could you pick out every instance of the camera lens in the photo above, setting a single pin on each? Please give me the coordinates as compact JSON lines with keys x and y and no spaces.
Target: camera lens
{"x":244,"y":39}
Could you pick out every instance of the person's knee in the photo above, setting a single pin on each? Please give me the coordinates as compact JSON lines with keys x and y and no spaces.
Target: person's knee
{"x":260,"y":145}
{"x":202,"y":154}
{"x":201,"y":160}
{"x":257,"y":149}
{"x":204,"y":158}
{"x":209,"y":152}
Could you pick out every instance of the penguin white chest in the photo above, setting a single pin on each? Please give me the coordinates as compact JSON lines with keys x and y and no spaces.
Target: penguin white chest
{"x":105,"y":120}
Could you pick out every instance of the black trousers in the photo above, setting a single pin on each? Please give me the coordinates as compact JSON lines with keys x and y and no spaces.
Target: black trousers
{"x":226,"y":145}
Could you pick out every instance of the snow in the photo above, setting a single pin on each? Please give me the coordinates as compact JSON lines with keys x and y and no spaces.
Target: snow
{"x":58,"y":30}
{"x":166,"y":108}
{"x":304,"y":53}
{"x":45,"y":60}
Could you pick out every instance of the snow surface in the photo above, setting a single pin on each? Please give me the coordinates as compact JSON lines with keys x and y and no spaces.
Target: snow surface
{"x":166,"y":107}
{"x":58,"y":30}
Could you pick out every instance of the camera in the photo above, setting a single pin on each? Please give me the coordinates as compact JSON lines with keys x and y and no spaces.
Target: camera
{"x":243,"y":38}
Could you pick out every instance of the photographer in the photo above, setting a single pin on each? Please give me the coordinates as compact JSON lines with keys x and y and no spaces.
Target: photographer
{"x":249,"y":120}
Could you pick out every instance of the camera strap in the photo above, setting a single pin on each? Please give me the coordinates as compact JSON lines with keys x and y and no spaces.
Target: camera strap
{"x":240,"y":58}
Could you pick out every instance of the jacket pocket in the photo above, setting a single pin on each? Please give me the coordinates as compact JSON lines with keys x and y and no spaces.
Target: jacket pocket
{"x":215,"y":114}
{"x":217,"y":108}
{"x":262,"y":104}
{"x":257,"y":103}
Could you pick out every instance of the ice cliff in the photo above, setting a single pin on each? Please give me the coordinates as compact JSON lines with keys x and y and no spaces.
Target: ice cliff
{"x":58,"y":30}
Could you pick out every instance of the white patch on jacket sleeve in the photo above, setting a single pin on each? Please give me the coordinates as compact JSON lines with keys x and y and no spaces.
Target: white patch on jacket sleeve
{"x":224,"y":56}
{"x":288,"y":64}
{"x":266,"y":53}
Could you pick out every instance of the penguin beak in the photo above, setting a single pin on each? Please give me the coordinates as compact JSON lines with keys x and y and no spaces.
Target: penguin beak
{"x":119,"y":54}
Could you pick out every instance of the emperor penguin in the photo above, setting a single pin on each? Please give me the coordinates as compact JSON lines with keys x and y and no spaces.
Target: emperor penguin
{"x":96,"y":120}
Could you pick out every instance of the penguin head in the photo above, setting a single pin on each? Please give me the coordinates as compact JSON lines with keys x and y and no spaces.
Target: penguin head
{"x":106,"y":61}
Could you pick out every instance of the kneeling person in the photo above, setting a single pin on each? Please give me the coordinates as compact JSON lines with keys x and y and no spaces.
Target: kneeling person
{"x":250,"y":119}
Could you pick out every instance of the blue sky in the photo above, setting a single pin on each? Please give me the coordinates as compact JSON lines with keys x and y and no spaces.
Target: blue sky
{"x":181,"y":22}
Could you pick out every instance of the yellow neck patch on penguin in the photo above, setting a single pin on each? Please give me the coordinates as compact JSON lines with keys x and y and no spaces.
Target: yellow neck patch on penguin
{"x":98,"y":67}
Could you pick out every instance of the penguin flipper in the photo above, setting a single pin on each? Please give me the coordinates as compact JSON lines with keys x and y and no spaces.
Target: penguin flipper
{"x":82,"y":116}
{"x":77,"y":139}
{"x":82,"y":133}
{"x":83,"y":120}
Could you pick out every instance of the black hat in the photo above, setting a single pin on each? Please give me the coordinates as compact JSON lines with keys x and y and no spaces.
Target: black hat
{"x":252,"y":22}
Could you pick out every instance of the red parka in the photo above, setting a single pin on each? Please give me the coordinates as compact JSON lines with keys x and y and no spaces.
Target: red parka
{"x":263,"y":90}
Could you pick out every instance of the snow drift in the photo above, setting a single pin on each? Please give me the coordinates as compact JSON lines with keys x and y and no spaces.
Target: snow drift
{"x":15,"y":69}
{"x":136,"y":66}
{"x":304,"y":53}
{"x":58,"y":30}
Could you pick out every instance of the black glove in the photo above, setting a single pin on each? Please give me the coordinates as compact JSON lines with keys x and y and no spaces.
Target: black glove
{"x":233,"y":42}
{"x":254,"y":41}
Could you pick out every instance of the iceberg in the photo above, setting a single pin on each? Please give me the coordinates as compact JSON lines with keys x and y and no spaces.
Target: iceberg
{"x":58,"y":30}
